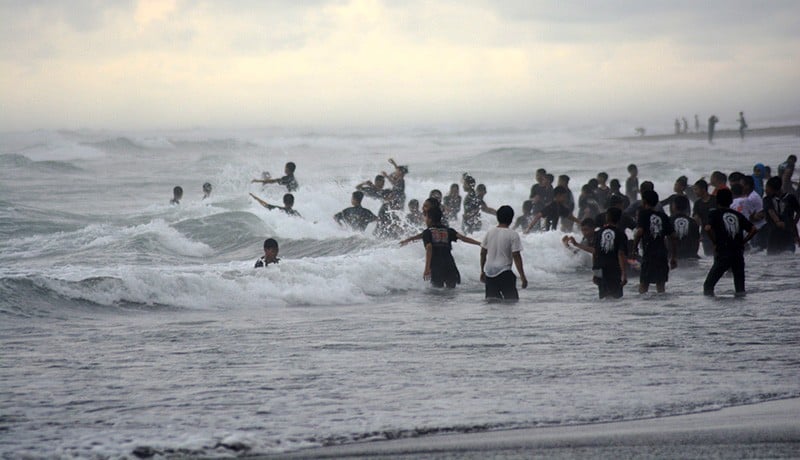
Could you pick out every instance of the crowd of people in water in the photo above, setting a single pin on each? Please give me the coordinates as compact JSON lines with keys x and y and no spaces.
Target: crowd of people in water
{"x":627,"y":231}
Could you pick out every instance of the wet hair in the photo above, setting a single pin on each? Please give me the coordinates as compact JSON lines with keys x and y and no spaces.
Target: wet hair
{"x":749,"y":182}
{"x":588,"y":222}
{"x":177,"y":191}
{"x":681,"y":203}
{"x":270,"y":243}
{"x":403,"y":169}
{"x":683,"y":180}
{"x":735,"y":177}
{"x":701,"y":184}
{"x":290,"y":166}
{"x":614,"y":183}
{"x":434,"y":193}
{"x":380,"y":178}
{"x":433,"y":203}
{"x":358,"y":196}
{"x":737,"y":189}
{"x":288,"y":200}
{"x":480,"y":187}
{"x":719,"y":176}
{"x":613,"y":215}
{"x":724,"y":198}
{"x":632,"y":167}
{"x":650,"y":197}
{"x":592,"y":183}
{"x":207,"y":187}
{"x":602,"y":176}
{"x":560,"y":191}
{"x":586,"y":189}
{"x":550,"y":178}
{"x":413,"y":203}
{"x":792,"y":158}
{"x":469,"y":180}
{"x":775,"y":183}
{"x":541,"y":171}
{"x":435,"y":215}
{"x":505,"y":215}
{"x":563,"y":178}
{"x":453,"y":187}
{"x":647,"y":185}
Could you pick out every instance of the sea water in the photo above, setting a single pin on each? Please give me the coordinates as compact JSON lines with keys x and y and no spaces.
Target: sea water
{"x":130,"y":326}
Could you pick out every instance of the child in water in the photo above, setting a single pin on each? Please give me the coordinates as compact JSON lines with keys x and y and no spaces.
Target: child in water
{"x":440,"y":267}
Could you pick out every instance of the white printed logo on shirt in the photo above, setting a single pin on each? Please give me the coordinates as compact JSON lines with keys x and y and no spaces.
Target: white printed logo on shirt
{"x":607,"y":241}
{"x":656,"y":226}
{"x":682,"y":227}
{"x":731,"y":224}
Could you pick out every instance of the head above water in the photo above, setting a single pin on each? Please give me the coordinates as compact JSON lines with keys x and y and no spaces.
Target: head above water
{"x":505,"y":215}
{"x":270,"y":249}
{"x":177,"y":192}
{"x":290,"y":167}
{"x":356,"y":198}
{"x":288,"y":200}
{"x":724,"y":198}
{"x":207,"y":188}
{"x":650,"y":198}
{"x":436,"y":194}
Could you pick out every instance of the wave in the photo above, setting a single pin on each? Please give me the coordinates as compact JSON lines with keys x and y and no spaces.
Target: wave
{"x":15,"y":160}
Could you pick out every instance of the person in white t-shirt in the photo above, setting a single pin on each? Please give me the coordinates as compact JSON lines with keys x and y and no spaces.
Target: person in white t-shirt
{"x":499,"y":249}
{"x":756,"y":207}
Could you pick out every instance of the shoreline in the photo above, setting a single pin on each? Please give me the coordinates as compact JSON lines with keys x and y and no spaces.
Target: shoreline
{"x":768,"y":429}
{"x":772,"y":131}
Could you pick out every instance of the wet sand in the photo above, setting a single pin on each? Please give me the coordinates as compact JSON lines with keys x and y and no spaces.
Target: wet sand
{"x":765,"y":430}
{"x":722,"y":134}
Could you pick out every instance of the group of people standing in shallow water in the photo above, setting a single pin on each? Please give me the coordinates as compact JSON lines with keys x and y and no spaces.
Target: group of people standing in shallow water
{"x":626,"y":231}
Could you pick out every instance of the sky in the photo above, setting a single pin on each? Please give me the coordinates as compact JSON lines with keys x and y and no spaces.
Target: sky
{"x":179,"y":64}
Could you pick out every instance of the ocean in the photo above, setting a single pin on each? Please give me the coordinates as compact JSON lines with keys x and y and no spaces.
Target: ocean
{"x":132,"y":327}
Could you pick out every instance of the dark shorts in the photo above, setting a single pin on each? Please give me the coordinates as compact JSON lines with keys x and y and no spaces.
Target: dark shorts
{"x":442,"y":278}
{"x":610,"y":285}
{"x":502,"y":286}
{"x":655,"y":269}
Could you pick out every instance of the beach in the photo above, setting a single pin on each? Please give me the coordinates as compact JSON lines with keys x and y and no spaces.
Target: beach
{"x":765,"y":430}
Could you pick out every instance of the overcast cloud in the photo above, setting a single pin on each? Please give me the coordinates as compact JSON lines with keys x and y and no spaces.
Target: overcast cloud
{"x":162,"y":63}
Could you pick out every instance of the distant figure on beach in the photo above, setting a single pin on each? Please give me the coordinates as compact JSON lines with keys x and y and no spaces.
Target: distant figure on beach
{"x":725,"y":227}
{"x":501,"y":246}
{"x":270,"y":254}
{"x":712,"y":121}
{"x":653,"y":228}
{"x":685,"y":123}
{"x":742,"y":124}
{"x":696,"y":123}
{"x":609,"y":257}
{"x":356,"y":216}
{"x":677,"y":126}
{"x":632,"y":183}
{"x":640,"y":131}
{"x":177,"y":195}
{"x":287,"y":180}
{"x":206,"y":190}
{"x":440,"y":267}
{"x":288,"y":203}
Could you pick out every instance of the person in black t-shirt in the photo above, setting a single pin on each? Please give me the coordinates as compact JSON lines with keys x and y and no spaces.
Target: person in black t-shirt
{"x":270,"y":254}
{"x":440,"y":267}
{"x":610,"y":254}
{"x":287,"y":181}
{"x":652,"y":230}
{"x":288,"y":203}
{"x":687,"y":232}
{"x":725,"y":227}
{"x":356,"y":216}
{"x":705,"y":202}
{"x":782,"y":212}
{"x":553,"y":211}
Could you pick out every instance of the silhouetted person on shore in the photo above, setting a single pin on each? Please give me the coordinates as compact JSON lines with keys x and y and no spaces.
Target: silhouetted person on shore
{"x":685,"y":125}
{"x":742,"y":125}
{"x":696,"y":123}
{"x":712,"y":121}
{"x":177,"y":195}
{"x":677,"y":126}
